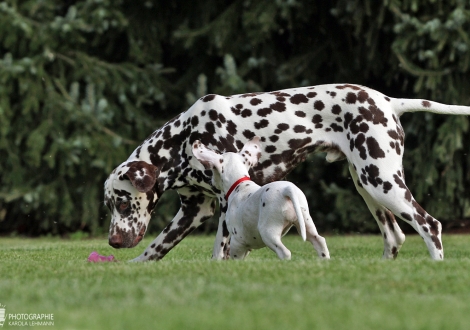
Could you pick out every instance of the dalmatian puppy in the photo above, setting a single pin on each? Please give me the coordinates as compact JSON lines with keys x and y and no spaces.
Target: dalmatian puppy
{"x":258,"y":216}
{"x":344,"y":121}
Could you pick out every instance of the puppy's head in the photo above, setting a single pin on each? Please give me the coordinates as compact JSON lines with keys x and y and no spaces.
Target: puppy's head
{"x":229,"y":166}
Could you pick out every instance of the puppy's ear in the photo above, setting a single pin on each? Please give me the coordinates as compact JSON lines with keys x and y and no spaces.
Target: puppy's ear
{"x":205,"y":156}
{"x":142,"y":175}
{"x":251,"y":151}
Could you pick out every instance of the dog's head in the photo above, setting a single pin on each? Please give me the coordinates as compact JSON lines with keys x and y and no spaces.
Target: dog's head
{"x":131,"y":196}
{"x":229,"y":166}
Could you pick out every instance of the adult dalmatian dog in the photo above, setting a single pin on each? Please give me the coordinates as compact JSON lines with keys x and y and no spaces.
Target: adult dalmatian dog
{"x":346,"y":121}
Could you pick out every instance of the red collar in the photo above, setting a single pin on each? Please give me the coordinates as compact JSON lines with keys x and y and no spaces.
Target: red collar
{"x":245,"y":178}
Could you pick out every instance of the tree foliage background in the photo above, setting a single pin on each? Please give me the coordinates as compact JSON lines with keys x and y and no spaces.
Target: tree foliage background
{"x":83,"y":82}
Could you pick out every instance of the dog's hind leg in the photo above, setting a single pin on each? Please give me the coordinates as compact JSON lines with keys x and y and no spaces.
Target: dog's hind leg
{"x":429,"y":228}
{"x":392,"y":234}
{"x":318,"y":242}
{"x":389,"y":190}
{"x":272,"y":239}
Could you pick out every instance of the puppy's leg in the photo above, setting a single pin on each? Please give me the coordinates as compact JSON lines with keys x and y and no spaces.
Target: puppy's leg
{"x":318,"y":242}
{"x":392,"y":234}
{"x":271,"y":236}
{"x":237,"y":250}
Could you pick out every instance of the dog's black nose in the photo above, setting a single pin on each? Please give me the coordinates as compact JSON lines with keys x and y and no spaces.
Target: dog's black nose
{"x":115,"y":241}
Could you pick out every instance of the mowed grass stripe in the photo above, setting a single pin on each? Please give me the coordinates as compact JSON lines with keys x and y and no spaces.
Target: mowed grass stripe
{"x":356,"y":289}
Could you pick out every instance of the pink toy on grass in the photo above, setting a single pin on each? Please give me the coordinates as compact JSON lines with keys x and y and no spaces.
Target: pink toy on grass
{"x":95,"y":257}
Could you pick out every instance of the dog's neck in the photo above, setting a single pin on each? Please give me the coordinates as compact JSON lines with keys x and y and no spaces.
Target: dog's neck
{"x":235,"y":185}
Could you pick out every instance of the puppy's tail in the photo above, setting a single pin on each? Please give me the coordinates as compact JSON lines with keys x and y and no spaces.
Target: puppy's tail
{"x":415,"y":105}
{"x":293,"y":193}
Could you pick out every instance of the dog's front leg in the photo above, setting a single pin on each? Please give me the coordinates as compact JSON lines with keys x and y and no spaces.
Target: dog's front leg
{"x":195,"y":209}
{"x":221,"y":249}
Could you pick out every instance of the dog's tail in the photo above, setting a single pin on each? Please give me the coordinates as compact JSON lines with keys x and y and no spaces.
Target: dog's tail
{"x":293,"y":195}
{"x":414,"y":105}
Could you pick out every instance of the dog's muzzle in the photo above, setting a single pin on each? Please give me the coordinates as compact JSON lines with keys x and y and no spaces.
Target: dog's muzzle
{"x":116,"y":241}
{"x":124,"y":240}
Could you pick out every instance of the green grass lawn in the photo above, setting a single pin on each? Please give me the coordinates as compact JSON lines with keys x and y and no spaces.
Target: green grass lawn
{"x":356,"y":289}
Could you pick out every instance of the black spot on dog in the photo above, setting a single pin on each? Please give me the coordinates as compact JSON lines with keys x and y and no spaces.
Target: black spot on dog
{"x":374,"y":148}
{"x":263,"y":112}
{"x":348,"y":117}
{"x":283,"y":127}
{"x":351,"y":98}
{"x":299,"y":128}
{"x":353,"y":87}
{"x":402,"y":185}
{"x":358,"y":143}
{"x":261,"y":124}
{"x":298,"y":98}
{"x":278,"y":106}
{"x":436,"y":242}
{"x":213,"y":115}
{"x":248,"y":134}
{"x":319,"y":105}
{"x":311,"y":95}
{"x":317,"y":119}
{"x":373,"y":175}
{"x":426,"y":104}
{"x":336,"y":127}
{"x":362,"y":96}
{"x":270,"y":149}
{"x":246,"y":113}
{"x":336,"y":109}
{"x":406,"y":216}
{"x":433,"y":225}
{"x":208,"y":98}
{"x":387,"y":186}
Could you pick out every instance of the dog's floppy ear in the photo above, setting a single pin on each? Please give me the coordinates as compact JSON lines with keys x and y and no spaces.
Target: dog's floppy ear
{"x":205,"y":156}
{"x":251,"y":151}
{"x":142,"y":175}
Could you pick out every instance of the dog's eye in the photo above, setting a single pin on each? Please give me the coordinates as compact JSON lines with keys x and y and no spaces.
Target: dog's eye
{"x":123,"y":206}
